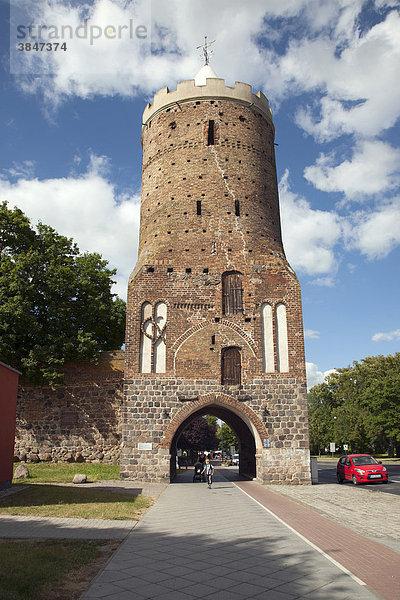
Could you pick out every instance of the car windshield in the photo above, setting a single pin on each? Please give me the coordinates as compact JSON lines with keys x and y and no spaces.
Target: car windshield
{"x":364,"y":460}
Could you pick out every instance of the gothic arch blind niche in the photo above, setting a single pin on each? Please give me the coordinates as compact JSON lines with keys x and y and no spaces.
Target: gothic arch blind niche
{"x":282,"y":351}
{"x":160,"y":348}
{"x":267,"y":338}
{"x":153,"y":338}
{"x":146,"y":336}
{"x":267,"y":334}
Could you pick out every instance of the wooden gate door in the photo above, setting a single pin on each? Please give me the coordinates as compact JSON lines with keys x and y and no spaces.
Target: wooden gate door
{"x":231,"y":366}
{"x":232,"y":293}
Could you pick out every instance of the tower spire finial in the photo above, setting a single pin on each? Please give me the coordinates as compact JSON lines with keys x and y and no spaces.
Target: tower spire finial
{"x":205,"y":48}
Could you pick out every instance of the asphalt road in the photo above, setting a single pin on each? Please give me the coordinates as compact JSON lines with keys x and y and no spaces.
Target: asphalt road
{"x":327,"y":474}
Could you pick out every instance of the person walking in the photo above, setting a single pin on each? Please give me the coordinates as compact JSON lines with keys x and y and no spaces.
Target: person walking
{"x":209,"y":472}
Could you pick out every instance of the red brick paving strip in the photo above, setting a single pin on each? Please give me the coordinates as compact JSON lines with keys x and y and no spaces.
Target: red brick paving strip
{"x":373,"y":563}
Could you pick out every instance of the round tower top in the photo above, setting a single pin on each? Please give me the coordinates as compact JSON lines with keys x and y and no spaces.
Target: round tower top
{"x":206,"y":85}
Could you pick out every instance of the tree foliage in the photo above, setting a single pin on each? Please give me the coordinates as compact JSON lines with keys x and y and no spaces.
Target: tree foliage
{"x":56,"y":304}
{"x":360,"y":403}
{"x":212,"y":421}
{"x":227,"y":437}
{"x":198,"y":435}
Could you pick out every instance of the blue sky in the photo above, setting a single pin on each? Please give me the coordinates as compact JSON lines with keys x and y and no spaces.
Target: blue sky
{"x":71,"y":155}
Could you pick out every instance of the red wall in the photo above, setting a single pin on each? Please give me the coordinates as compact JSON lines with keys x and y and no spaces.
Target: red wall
{"x":8,"y":406}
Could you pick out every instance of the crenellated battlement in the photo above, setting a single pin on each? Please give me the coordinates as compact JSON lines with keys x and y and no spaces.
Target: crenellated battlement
{"x":215,"y":88}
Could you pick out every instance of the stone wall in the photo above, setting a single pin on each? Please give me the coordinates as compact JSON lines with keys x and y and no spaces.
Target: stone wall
{"x":272,"y":409}
{"x":79,"y":421}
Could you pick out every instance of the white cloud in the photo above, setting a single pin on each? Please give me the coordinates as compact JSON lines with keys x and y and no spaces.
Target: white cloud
{"x":376,"y":233}
{"x":310,"y":334}
{"x":389,"y":336}
{"x":353,"y":75}
{"x":309,"y":235}
{"x":359,"y":83}
{"x":314,"y":375}
{"x":24,"y":169}
{"x":373,"y":170}
{"x":123,"y":67}
{"x":86,"y":208}
{"x":324,"y":281}
{"x":317,"y":61}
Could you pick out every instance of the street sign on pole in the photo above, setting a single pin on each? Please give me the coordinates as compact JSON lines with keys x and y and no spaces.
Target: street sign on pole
{"x":332,"y":448}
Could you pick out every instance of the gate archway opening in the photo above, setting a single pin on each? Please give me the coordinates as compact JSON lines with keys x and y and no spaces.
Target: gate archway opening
{"x":246,"y":439}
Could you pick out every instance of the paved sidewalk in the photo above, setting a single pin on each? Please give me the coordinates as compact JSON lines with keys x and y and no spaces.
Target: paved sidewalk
{"x":218,"y":544}
{"x":368,"y":560}
{"x":59,"y":528}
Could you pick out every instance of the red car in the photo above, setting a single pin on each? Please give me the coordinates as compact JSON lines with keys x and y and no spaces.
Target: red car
{"x":360,"y":468}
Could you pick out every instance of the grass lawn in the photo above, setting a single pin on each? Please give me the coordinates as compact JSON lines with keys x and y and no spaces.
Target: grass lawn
{"x":64,"y":472}
{"x":61,"y":569}
{"x":65,"y":501}
{"x":50,"y":570}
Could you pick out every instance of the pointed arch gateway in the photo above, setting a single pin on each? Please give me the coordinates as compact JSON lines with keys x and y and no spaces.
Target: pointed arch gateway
{"x":245,"y":423}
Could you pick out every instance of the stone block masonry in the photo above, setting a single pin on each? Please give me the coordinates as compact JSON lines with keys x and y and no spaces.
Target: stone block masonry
{"x":79,"y":421}
{"x":157,"y":410}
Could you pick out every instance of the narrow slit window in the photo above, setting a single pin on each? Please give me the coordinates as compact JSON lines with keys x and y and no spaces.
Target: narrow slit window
{"x":237,"y":208}
{"x":199,"y":208}
{"x":210,"y":137}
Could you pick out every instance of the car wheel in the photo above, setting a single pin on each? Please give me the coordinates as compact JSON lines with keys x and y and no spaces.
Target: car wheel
{"x":354,"y":479}
{"x":386,"y":481}
{"x":339,"y":479}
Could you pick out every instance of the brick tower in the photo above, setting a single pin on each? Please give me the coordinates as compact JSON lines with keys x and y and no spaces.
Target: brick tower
{"x":214,"y":319}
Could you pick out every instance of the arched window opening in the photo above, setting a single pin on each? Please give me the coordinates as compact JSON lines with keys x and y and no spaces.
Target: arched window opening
{"x":232,"y":293}
{"x":231,"y":366}
{"x":267,"y":338}
{"x":282,"y":339}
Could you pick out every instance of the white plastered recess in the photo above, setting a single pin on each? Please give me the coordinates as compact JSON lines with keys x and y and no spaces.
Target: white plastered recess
{"x":160,"y":321}
{"x":267,"y":338}
{"x":282,"y":339}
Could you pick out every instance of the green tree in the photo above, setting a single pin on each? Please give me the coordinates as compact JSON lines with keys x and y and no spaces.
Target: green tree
{"x":198,"y":435}
{"x":227,"y":436}
{"x":376,"y":382}
{"x":363,"y":402}
{"x":56,"y":304}
{"x":212,"y":421}
{"x":321,"y":404}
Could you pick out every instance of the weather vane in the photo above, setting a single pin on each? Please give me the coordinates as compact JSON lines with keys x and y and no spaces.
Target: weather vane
{"x":206,"y":52}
